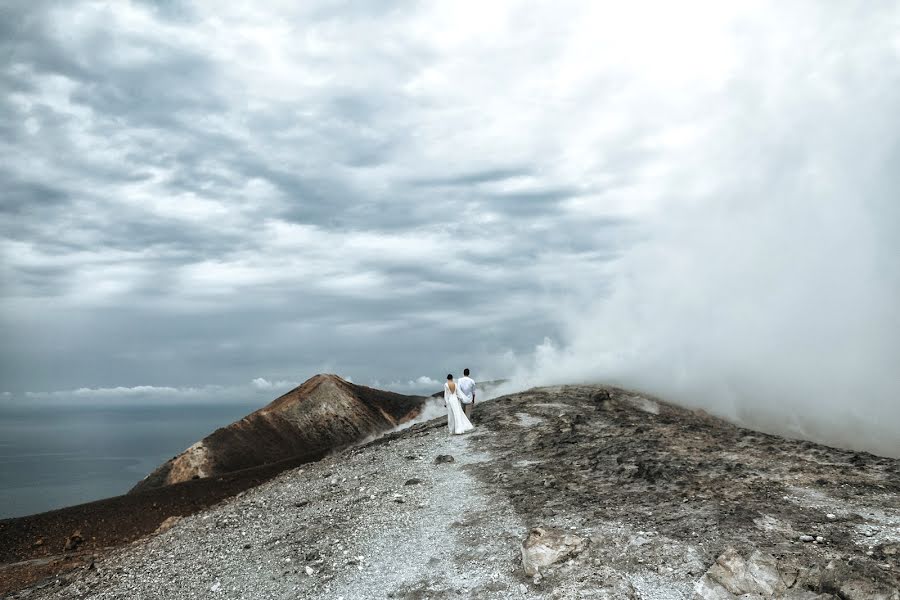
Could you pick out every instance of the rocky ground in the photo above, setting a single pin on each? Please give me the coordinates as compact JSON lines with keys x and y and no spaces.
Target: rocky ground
{"x":631,"y":498}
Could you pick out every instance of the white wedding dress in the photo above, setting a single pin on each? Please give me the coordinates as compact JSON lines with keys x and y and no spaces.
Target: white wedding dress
{"x":457,"y":421}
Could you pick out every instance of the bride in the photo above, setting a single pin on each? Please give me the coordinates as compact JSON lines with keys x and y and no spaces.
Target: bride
{"x":456,"y":418}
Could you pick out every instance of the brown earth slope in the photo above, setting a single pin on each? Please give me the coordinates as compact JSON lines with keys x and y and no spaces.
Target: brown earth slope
{"x":324,"y":413}
{"x":46,"y":546}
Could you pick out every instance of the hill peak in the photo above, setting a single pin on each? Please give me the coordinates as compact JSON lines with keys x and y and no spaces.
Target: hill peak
{"x":325,"y":412}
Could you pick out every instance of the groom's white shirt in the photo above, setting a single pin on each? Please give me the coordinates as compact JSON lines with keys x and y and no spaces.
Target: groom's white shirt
{"x":467,"y":387}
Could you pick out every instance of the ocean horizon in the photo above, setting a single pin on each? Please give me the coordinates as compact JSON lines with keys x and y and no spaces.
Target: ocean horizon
{"x":57,"y":456}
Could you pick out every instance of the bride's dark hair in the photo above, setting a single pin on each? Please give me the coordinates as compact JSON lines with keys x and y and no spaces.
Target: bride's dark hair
{"x":450,"y":376}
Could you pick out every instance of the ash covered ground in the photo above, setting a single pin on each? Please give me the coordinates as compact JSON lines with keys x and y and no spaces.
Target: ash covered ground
{"x":663,"y":503}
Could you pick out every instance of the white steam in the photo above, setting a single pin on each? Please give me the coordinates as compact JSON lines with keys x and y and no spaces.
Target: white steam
{"x":766,"y":283}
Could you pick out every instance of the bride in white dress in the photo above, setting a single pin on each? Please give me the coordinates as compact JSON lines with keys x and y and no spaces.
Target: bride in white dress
{"x":457,"y":421}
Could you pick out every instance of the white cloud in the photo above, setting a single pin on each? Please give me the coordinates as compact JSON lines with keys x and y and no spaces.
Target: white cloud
{"x":124,"y":392}
{"x":261,"y":383}
{"x":345,"y":188}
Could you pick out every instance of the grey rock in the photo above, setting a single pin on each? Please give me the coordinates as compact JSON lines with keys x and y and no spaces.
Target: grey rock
{"x":545,"y":546}
{"x":733,"y":575}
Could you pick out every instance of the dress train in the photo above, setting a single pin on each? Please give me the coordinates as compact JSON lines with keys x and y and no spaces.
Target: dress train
{"x":457,"y":422}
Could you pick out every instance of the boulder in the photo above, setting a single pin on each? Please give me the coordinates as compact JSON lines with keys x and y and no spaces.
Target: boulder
{"x":73,"y":541}
{"x":733,"y":575}
{"x":757,"y":577}
{"x":545,"y":546}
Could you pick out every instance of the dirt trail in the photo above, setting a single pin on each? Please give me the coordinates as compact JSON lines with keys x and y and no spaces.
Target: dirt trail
{"x":379,"y":521}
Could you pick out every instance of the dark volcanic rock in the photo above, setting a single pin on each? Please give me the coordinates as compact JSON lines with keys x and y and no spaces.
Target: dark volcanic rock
{"x":324,"y":413}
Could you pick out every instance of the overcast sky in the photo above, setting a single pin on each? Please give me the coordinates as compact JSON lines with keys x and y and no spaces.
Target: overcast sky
{"x":207,"y":193}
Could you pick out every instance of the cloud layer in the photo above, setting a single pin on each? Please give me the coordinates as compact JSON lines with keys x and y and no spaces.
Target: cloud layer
{"x":199,"y":193}
{"x":204,"y":194}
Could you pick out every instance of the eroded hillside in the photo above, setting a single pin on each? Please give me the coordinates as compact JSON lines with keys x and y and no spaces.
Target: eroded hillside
{"x":324,"y":413}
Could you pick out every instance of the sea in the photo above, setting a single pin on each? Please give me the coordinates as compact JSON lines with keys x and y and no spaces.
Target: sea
{"x":52,"y":456}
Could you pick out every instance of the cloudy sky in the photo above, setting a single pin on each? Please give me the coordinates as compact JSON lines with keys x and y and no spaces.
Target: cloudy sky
{"x":204,"y":194}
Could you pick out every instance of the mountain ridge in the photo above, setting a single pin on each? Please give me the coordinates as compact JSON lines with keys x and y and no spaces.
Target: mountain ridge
{"x":625,"y":495}
{"x":324,"y":413}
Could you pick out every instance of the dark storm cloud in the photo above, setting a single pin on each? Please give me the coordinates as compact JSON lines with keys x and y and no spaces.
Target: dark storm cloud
{"x":173,"y":82}
{"x":532,"y":203}
{"x":25,"y":39}
{"x":20,"y":197}
{"x":192,"y":200}
{"x":473,"y":178}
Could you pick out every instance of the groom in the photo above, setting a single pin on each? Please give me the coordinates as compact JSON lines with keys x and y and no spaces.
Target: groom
{"x":467,"y":387}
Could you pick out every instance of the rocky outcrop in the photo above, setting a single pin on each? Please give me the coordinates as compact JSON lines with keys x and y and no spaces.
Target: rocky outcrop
{"x":733,"y":576}
{"x":761,"y":575}
{"x":324,"y":413}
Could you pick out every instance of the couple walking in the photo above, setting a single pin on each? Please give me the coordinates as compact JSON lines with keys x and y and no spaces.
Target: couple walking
{"x":457,"y":396}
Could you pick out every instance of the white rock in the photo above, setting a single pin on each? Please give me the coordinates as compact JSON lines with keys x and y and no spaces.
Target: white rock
{"x":639,"y":540}
{"x":310,"y":571}
{"x":732,"y":575}
{"x":831,"y":516}
{"x":806,"y":538}
{"x":820,"y":539}
{"x":215,"y":587}
{"x":543,"y":547}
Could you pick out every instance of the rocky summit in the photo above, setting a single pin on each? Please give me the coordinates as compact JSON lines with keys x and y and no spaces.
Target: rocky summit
{"x":564,"y":492}
{"x":324,"y":413}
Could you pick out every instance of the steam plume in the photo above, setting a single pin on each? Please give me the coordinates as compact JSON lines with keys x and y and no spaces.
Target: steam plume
{"x":766,"y":285}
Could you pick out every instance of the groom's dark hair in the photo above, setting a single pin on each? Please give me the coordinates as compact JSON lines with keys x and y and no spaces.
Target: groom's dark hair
{"x":449,"y":376}
{"x":466,"y":372}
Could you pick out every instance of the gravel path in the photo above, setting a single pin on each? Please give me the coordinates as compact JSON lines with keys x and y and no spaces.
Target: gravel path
{"x":373,"y":522}
{"x":448,"y":537}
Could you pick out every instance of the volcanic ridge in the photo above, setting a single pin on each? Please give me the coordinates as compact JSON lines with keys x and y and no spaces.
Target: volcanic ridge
{"x":560,"y":492}
{"x":326,"y":412}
